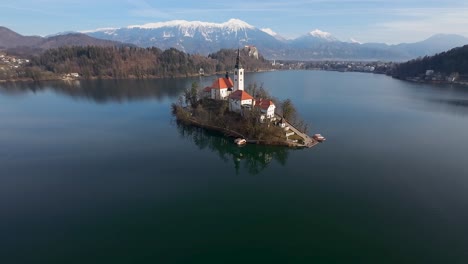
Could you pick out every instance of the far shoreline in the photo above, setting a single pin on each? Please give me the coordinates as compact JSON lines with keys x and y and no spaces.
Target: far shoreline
{"x":29,"y":80}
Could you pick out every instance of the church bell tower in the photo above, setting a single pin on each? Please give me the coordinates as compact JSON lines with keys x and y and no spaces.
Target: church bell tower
{"x":238,"y":74}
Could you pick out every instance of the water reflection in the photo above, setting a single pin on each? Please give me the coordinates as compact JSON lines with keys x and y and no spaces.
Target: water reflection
{"x":254,"y":158}
{"x":452,"y":99}
{"x":102,"y":91}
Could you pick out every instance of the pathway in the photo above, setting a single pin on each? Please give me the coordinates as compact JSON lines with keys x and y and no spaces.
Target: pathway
{"x":308,"y":141}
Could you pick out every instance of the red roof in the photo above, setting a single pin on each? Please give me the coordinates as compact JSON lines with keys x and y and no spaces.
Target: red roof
{"x":240,"y":95}
{"x":207,"y":89}
{"x":264,"y":104}
{"x":222,"y":83}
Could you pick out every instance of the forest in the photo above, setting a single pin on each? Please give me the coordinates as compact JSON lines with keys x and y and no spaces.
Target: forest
{"x":446,"y":63}
{"x":131,"y":62}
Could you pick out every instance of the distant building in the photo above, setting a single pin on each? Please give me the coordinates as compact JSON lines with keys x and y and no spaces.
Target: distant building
{"x":429,"y":72}
{"x":453,"y":77}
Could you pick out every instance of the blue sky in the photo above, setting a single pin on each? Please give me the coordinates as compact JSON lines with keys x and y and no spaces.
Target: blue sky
{"x":389,"y":21}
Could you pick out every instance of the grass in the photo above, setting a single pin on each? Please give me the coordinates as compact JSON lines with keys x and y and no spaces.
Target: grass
{"x":295,"y":136}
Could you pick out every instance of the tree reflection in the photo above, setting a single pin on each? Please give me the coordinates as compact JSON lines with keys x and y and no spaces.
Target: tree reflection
{"x":254,"y":158}
{"x":103,"y":91}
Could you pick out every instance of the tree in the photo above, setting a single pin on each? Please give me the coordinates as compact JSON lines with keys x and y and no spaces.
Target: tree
{"x":191,"y":95}
{"x":288,"y":109}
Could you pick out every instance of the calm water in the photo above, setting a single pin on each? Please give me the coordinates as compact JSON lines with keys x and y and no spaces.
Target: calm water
{"x":99,"y":172}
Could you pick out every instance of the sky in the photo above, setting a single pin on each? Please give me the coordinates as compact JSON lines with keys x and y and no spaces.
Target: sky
{"x":385,"y":21}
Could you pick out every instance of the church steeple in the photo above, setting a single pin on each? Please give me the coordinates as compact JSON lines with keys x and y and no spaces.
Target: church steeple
{"x":238,"y":73}
{"x":238,"y":64}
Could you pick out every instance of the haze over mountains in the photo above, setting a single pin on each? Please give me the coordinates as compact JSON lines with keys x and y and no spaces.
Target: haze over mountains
{"x":205,"y":37}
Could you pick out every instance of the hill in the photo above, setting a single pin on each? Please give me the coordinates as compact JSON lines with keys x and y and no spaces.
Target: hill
{"x":18,"y":44}
{"x":130,"y":62}
{"x":451,"y":63}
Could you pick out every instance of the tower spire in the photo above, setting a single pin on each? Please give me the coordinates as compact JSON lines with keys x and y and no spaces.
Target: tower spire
{"x":238,"y":64}
{"x":238,"y":74}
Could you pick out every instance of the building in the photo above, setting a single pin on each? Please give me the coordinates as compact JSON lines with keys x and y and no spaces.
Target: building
{"x":240,"y":99}
{"x":238,"y":74}
{"x":221,"y":88}
{"x":267,"y":108}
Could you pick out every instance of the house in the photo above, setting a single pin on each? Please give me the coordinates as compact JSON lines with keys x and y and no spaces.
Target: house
{"x":240,"y":99}
{"x":267,"y":108}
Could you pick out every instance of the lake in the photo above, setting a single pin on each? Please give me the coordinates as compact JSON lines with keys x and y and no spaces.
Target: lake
{"x":100,"y":172}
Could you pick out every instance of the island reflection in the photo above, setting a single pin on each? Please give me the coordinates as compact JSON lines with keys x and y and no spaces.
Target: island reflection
{"x":254,"y":158}
{"x":103,"y":91}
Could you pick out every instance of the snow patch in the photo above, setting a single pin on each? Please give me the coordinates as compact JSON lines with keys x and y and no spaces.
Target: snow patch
{"x":355,"y":41}
{"x":269,"y":31}
{"x":232,"y":24}
{"x":322,"y":34}
{"x":105,"y":30}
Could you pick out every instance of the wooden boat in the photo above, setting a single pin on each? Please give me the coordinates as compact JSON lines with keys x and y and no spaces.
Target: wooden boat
{"x":240,"y":141}
{"x":319,"y":137}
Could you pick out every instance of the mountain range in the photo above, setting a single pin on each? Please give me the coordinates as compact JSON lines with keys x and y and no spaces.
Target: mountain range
{"x":198,"y":37}
{"x":204,"y":38}
{"x":19,"y":44}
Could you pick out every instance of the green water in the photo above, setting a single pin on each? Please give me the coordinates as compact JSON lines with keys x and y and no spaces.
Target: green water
{"x":99,"y":172}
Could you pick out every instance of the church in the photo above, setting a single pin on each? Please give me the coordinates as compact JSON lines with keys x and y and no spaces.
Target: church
{"x":233,"y":91}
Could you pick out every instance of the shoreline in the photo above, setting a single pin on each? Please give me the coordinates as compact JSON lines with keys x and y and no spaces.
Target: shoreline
{"x":234,"y":134}
{"x":127,"y":78}
{"x":430,"y":82}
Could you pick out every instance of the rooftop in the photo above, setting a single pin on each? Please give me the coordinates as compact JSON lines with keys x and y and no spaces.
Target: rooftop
{"x":240,"y":95}
{"x":222,"y":83}
{"x":263,"y":104}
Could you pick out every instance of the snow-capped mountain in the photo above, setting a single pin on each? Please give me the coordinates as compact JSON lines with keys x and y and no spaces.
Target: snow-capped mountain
{"x":190,"y":36}
{"x":206,"y":37}
{"x":314,"y":39}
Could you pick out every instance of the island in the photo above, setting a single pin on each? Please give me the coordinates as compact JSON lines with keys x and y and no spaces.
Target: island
{"x":248,"y":115}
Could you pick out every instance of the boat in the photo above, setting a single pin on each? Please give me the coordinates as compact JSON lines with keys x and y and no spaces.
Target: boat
{"x":240,"y":141}
{"x":319,"y":137}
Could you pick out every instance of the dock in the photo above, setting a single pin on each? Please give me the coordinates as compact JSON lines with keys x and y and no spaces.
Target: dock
{"x":308,"y":141}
